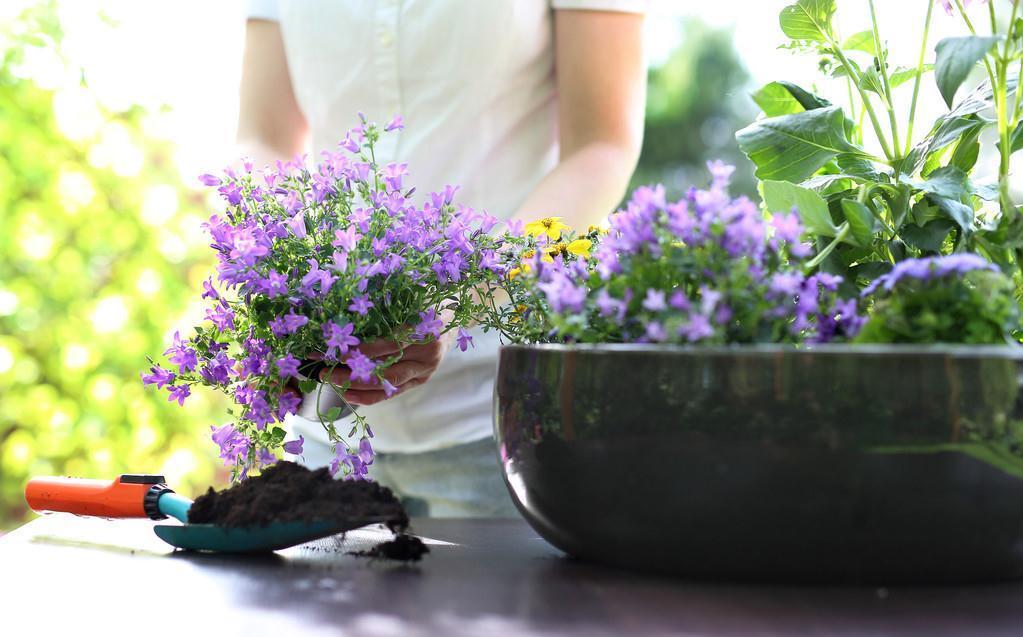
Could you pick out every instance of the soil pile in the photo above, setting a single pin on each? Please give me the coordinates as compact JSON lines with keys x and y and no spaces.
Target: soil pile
{"x":403,"y":548}
{"x":288,"y":492}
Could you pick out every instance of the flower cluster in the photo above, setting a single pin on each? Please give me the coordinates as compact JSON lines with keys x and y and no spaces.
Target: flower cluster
{"x":706,"y":269}
{"x":313,"y":263}
{"x":960,"y":298}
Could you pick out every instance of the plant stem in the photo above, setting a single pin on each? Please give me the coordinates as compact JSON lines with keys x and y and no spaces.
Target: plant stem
{"x":843,"y":232}
{"x":919,"y":76}
{"x":851,"y":71}
{"x":883,"y":63}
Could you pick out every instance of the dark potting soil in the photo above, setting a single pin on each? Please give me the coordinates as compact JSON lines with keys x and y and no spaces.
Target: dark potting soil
{"x":404,"y":548}
{"x":289,"y":492}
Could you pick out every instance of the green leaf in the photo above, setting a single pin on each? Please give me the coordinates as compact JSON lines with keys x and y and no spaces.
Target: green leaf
{"x":958,"y":212}
{"x":948,"y":182}
{"x":781,"y":196}
{"x":785,"y":98}
{"x":930,"y":237}
{"x":861,"y":221}
{"x":956,"y":57}
{"x":793,"y":147}
{"x":334,"y":413}
{"x":901,"y":75}
{"x":967,"y":150}
{"x":808,"y":20}
{"x":307,"y":386}
{"x":871,"y":80}
{"x":277,"y":435}
{"x":774,"y":99}
{"x":862,"y":41}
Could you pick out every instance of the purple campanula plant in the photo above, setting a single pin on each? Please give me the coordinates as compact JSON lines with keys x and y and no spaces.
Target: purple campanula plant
{"x":708,"y":269}
{"x":314,"y":262}
{"x":960,"y":298}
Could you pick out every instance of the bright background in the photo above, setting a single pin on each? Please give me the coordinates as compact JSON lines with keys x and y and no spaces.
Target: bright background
{"x":108,"y":111}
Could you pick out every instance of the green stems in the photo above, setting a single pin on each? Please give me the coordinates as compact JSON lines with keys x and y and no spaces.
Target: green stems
{"x":919,"y":77}
{"x":843,"y":232}
{"x":851,"y":71}
{"x":885,"y":83}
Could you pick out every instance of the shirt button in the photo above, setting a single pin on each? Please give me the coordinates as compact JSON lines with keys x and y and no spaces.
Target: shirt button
{"x":386,"y":39}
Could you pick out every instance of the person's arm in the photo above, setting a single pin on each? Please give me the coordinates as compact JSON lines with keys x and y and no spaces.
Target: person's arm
{"x":601,"y":81}
{"x":270,"y":123}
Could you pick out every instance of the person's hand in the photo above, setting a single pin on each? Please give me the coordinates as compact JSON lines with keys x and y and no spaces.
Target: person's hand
{"x":417,"y":364}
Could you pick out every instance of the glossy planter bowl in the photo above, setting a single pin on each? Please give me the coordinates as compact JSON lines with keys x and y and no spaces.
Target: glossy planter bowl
{"x":834,"y":464}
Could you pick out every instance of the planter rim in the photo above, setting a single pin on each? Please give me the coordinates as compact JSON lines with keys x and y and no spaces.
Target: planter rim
{"x":845,"y":349}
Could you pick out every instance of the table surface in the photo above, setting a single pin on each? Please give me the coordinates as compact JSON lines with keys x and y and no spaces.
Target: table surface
{"x":64,"y":575}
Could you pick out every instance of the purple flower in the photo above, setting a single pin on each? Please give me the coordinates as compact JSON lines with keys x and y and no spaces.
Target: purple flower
{"x":207,"y":179}
{"x":787,"y":227}
{"x":464,"y":340}
{"x":294,"y":447}
{"x":721,"y":174}
{"x":929,"y":268}
{"x":259,"y":411}
{"x":288,"y":323}
{"x":654,"y":301}
{"x":234,"y":445}
{"x":287,"y":366}
{"x":697,"y":328}
{"x":288,"y":403}
{"x":158,"y":376}
{"x":297,"y":225}
{"x":339,"y":339}
{"x":181,"y":355}
{"x":361,"y":366}
{"x":346,"y":239}
{"x":221,"y":316}
{"x":360,"y":305}
{"x":395,"y":124}
{"x":392,"y":174}
{"x":179,"y":393}
{"x":429,"y":325}
{"x":655,"y":332}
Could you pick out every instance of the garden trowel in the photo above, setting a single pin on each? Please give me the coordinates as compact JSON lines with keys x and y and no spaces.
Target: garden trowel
{"x":147,"y":496}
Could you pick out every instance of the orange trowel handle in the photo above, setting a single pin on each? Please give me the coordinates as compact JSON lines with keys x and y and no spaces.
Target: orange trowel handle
{"x":120,"y":498}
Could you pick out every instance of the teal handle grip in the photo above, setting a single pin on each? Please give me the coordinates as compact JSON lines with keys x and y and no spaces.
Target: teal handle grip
{"x":174,"y":505}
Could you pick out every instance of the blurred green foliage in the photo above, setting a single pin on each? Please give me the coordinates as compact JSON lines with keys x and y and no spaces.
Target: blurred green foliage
{"x":697,"y":98}
{"x":96,"y":263}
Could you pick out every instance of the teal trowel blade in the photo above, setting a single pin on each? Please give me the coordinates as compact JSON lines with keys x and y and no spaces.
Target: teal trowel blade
{"x":256,"y":539}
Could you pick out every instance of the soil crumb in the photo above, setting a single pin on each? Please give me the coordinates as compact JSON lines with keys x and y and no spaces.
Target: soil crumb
{"x":403,"y":548}
{"x":289,"y":492}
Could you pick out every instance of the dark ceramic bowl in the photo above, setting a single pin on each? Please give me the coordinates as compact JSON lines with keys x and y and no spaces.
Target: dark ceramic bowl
{"x":834,"y":464}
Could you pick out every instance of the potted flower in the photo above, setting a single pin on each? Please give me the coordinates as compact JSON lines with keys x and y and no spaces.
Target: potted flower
{"x":688,"y":393}
{"x":314,"y":263}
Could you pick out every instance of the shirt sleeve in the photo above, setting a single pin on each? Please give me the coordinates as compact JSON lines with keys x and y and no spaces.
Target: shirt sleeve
{"x":624,"y":6}
{"x":261,"y":10}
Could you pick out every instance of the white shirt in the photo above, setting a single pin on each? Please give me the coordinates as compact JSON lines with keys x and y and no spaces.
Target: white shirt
{"x":474,"y":82}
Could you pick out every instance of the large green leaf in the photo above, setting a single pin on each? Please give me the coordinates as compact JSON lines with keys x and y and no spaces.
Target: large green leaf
{"x":948,"y":182}
{"x":781,"y":196}
{"x":956,"y":57}
{"x":861,"y":221}
{"x":930,"y":237}
{"x":793,"y":147}
{"x":958,"y":212}
{"x":808,"y":20}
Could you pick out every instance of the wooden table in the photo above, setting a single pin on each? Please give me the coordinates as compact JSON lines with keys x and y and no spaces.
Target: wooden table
{"x":67,"y":576}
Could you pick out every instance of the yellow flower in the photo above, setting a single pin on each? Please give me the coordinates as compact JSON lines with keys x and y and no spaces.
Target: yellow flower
{"x":580,"y":247}
{"x":514,"y":272}
{"x":550,"y":226}
{"x":598,"y":229}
